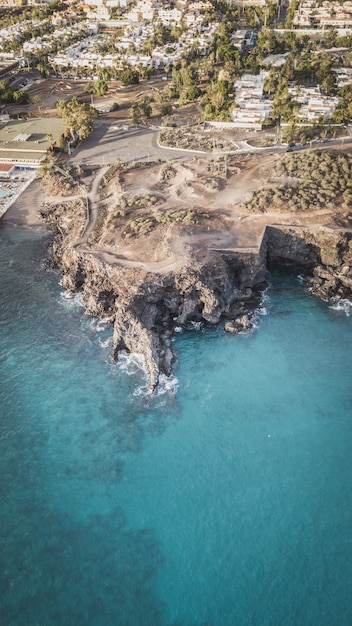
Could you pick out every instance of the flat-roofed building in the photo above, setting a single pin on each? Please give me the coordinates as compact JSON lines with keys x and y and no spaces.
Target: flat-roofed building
{"x":26,"y":142}
{"x":252,"y":109}
{"x":6,"y":169}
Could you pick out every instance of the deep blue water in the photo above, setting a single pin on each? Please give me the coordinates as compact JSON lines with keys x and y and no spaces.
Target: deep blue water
{"x":226,"y":499}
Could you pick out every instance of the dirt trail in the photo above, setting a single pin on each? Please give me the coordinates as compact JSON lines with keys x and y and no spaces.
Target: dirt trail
{"x":93,"y":205}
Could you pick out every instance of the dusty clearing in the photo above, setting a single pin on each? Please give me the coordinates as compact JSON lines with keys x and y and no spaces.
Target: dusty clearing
{"x":151,"y":215}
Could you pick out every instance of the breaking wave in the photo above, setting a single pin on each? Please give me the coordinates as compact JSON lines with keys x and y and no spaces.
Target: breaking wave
{"x":131,"y":363}
{"x":341,"y":305}
{"x":71,"y":300}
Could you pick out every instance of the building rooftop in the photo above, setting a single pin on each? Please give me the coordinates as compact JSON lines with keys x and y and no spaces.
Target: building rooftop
{"x":6,"y":167}
{"x":28,"y":139}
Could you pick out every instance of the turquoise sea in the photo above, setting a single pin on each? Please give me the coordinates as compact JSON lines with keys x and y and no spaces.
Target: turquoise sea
{"x":223,"y":500}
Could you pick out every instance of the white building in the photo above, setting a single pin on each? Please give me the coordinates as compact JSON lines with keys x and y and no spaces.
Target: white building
{"x":169,"y":16}
{"x":144,"y":10}
{"x":314,"y":105}
{"x":326,"y":14}
{"x":252,"y":109}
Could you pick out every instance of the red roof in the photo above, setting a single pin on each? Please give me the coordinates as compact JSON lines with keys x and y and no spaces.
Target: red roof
{"x":6,"y":167}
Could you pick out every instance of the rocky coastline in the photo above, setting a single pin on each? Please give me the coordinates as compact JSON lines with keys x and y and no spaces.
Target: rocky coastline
{"x":208,"y":284}
{"x":145,"y":308}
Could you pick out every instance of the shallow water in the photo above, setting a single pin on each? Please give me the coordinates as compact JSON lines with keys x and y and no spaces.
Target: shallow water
{"x":225,"y":499}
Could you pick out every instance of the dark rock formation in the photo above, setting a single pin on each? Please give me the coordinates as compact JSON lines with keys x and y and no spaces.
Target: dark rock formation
{"x":146,"y":306}
{"x":238,"y":325}
{"x":324,"y":252}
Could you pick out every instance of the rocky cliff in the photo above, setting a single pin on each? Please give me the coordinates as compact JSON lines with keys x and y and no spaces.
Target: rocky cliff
{"x":145,"y":307}
{"x":325,"y":253}
{"x":149,"y":267}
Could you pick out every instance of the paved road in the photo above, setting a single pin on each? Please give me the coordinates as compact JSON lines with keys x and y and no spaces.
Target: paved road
{"x":107,"y":143}
{"x":110,"y":142}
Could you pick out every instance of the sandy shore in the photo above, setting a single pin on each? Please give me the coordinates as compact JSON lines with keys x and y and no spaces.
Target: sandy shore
{"x":25,"y":208}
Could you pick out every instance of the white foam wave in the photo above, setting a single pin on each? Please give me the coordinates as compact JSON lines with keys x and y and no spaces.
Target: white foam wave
{"x":196,"y":325}
{"x":103,"y":324}
{"x":255,"y":321}
{"x":301,"y":278}
{"x":105,"y":344}
{"x":142,"y":390}
{"x":98,"y":325}
{"x":341,"y":305}
{"x":131,"y":363}
{"x":265,"y":303}
{"x":261,"y":311}
{"x":167,"y":385}
{"x":71,"y":299}
{"x":165,"y":390}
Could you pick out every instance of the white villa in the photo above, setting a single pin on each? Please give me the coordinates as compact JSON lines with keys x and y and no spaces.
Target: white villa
{"x":328,"y":14}
{"x":314,"y":104}
{"x":252,"y":109}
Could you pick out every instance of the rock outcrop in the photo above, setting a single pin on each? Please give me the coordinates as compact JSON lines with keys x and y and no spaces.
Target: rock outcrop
{"x":146,"y":307}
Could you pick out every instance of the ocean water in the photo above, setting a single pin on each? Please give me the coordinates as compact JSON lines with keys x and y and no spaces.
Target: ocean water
{"x":225,"y":499}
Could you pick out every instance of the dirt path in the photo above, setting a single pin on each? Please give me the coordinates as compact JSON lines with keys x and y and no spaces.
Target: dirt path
{"x":93,"y":205}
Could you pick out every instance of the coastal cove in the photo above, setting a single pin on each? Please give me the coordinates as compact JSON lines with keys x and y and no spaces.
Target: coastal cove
{"x":224,"y":498}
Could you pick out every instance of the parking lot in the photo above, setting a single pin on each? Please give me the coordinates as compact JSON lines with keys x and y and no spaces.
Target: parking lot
{"x":110,"y":142}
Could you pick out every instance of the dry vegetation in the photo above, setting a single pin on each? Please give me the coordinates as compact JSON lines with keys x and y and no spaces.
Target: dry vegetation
{"x":65,"y":217}
{"x":56,"y":184}
{"x":152,"y":214}
{"x":142,"y":225}
{"x":194,"y":139}
{"x":313,"y":180}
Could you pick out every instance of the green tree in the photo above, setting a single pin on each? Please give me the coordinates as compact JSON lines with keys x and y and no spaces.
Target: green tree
{"x":343,"y":114}
{"x":129,"y":77}
{"x":100,"y":87}
{"x":284,"y":105}
{"x":135,"y":114}
{"x":61,"y":142}
{"x":329,"y":85}
{"x":166,"y":109}
{"x":78,"y":117}
{"x":38,"y":102}
{"x":20,"y":97}
{"x":145,"y":106}
{"x":105,"y":74}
